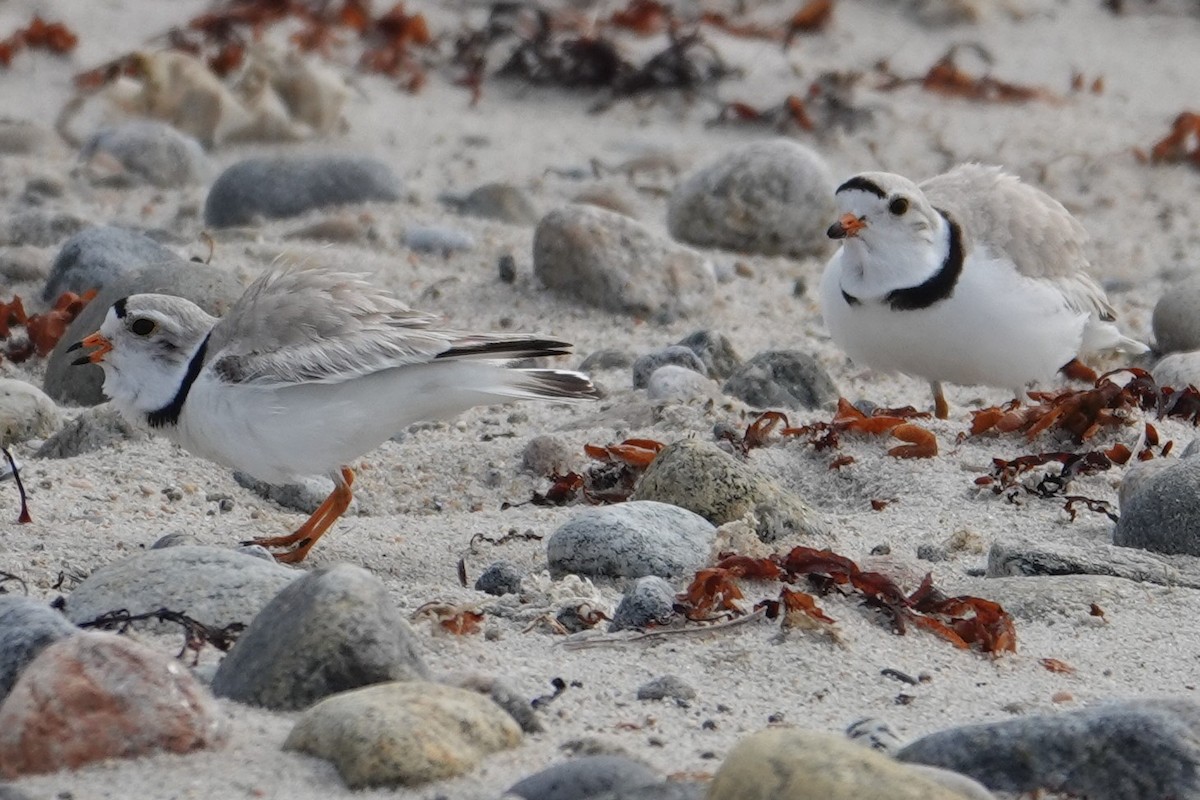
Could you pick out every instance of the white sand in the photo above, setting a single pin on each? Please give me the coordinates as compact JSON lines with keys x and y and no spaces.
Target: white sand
{"x":432,"y":492}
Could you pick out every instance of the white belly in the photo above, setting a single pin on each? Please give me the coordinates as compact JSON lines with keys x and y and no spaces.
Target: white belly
{"x":998,"y":328}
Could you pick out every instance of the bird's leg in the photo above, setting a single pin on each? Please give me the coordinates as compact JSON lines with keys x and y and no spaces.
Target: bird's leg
{"x":941,"y":409}
{"x":315,"y":526}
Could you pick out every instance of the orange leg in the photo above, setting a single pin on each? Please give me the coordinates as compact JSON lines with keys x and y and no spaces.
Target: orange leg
{"x":314,"y":528}
{"x":941,"y":409}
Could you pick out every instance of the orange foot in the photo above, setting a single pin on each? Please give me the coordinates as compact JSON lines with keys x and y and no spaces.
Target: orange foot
{"x":314,"y":528}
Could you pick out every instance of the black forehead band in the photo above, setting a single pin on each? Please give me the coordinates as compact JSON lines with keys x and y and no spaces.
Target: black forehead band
{"x":862,"y":184}
{"x":119,"y":308}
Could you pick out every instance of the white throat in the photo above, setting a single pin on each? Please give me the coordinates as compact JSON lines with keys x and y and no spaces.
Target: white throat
{"x":878,"y":262}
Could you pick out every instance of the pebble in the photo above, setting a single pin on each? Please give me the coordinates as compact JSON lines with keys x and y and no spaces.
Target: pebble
{"x":151,"y":151}
{"x":782,"y":379}
{"x":102,"y":256}
{"x":1176,"y":321}
{"x":609,"y":198}
{"x":790,"y":764}
{"x":93,"y":429}
{"x":499,"y":579}
{"x":630,"y":540}
{"x":585,"y":777}
{"x":703,"y":478}
{"x":94,"y":696}
{"x":212,"y":585}
{"x":609,"y":261}
{"x":403,"y":733}
{"x":1123,"y":751}
{"x":1178,"y":370}
{"x":276,"y":188}
{"x":666,"y":686}
{"x":26,"y":628}
{"x":608,"y":358}
{"x":337,"y":227}
{"x":672,"y":383}
{"x":1163,"y":515}
{"x":677,"y":355}
{"x":649,"y":601}
{"x":332,"y":630}
{"x":770,"y":197}
{"x":444,"y":241}
{"x":503,"y":695}
{"x":211,"y":288}
{"x":499,"y":201}
{"x":39,"y":228}
{"x":25,"y":412}
{"x":175,"y":539}
{"x":715,"y":350}
{"x":547,"y":455}
{"x":1018,"y":557}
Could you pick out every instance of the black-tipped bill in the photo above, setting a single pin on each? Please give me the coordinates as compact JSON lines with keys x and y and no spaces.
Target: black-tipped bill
{"x":96,"y":340}
{"x":848,"y":225}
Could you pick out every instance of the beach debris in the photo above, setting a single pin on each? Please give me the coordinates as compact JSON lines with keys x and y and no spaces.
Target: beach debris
{"x":921,"y":443}
{"x":460,"y":620}
{"x":23,"y":517}
{"x":813,"y":17}
{"x":42,"y":330}
{"x":1182,"y":144}
{"x":611,"y":480}
{"x":196,"y":635}
{"x":945,"y":77}
{"x":965,"y":621}
{"x":53,"y":37}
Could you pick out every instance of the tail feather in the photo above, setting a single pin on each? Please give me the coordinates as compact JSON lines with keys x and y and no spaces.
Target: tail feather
{"x":553,"y":384}
{"x":506,"y":347}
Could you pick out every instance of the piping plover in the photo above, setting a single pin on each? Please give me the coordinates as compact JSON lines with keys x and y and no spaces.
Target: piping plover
{"x":971,"y":277}
{"x":309,"y":370}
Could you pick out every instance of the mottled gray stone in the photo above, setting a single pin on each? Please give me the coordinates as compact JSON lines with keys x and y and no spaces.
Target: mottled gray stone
{"x":500,"y":578}
{"x":585,"y":777}
{"x":25,"y":412}
{"x":431,"y":239}
{"x":100,"y":257}
{"x":715,"y":350}
{"x":772,"y":197}
{"x":649,"y":601}
{"x":39,"y":227}
{"x":666,"y":686}
{"x":676,"y":355}
{"x":26,"y":628}
{"x":1131,"y":750}
{"x":1163,"y":516}
{"x":213,"y":289}
{"x":702,"y":477}
{"x":333,"y":630}
{"x":670,"y":383}
{"x":782,"y":379}
{"x":1026,"y":558}
{"x":1178,"y":370}
{"x":1176,"y":319}
{"x":608,"y":358}
{"x":605,"y":260}
{"x":279,"y":187}
{"x":93,"y":429}
{"x":21,"y":264}
{"x":498,"y":201}
{"x":403,"y":734}
{"x":210,"y":584}
{"x":548,"y":455}
{"x":519,"y":707}
{"x":153,"y":151}
{"x":630,"y":540}
{"x":1137,"y":475}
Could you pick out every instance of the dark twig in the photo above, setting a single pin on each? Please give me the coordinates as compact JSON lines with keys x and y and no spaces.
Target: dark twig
{"x":196,"y":634}
{"x":5,"y":577}
{"x":12,"y":465}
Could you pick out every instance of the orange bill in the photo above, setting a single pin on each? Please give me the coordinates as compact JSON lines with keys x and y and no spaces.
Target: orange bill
{"x":101,"y":344}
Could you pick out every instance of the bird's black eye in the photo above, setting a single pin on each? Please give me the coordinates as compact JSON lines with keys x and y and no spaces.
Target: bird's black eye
{"x":898,"y":206}
{"x":142,"y":326}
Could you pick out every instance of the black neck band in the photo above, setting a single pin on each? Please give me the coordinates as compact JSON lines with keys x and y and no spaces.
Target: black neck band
{"x":169,"y":414}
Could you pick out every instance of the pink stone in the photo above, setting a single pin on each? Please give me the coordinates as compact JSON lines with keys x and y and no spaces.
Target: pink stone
{"x":93,"y":696}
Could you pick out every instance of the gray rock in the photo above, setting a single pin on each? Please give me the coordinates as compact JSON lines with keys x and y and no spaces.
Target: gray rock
{"x":101,"y":257}
{"x":608,"y":358}
{"x":630,"y":540}
{"x":1137,"y":475}
{"x":26,"y":628}
{"x":275,"y":188}
{"x":1125,"y":751}
{"x":22,"y":264}
{"x":704,"y":478}
{"x":1191,"y":450}
{"x":667,"y":790}
{"x":213,"y":289}
{"x":782,"y":379}
{"x":666,"y":686}
{"x":517,"y":705}
{"x":499,"y":579}
{"x":1176,"y":319}
{"x":1042,"y":597}
{"x":39,"y":228}
{"x":1163,"y":516}
{"x":649,"y":601}
{"x":210,"y":584}
{"x":305,"y":496}
{"x":498,"y":201}
{"x":679,"y":384}
{"x":1025,"y":558}
{"x":676,"y":355}
{"x":403,"y":734}
{"x":715,"y":350}
{"x":875,"y":734}
{"x":333,"y":630}
{"x":585,"y":777}
{"x":430,"y":239}
{"x":605,"y":260}
{"x":153,"y":151}
{"x":771,"y":197}
{"x":175,"y":539}
{"x":94,"y":429}
{"x":1178,"y":370}
{"x":25,"y":412}
{"x":548,"y":455}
